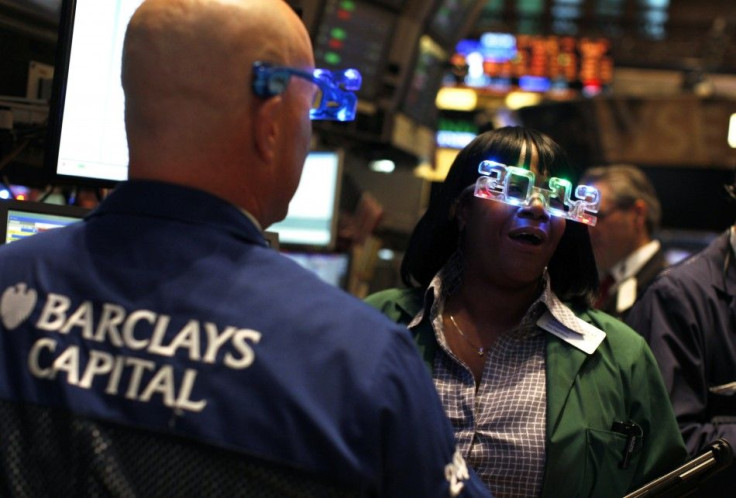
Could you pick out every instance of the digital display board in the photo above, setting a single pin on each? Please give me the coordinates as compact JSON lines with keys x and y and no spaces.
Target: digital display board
{"x":455,"y":132}
{"x":356,"y":34}
{"x":503,"y":62}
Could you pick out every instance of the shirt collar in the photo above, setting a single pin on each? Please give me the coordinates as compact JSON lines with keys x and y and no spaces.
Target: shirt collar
{"x":444,"y":283}
{"x":630,"y":265}
{"x":252,"y":219}
{"x":448,"y":279}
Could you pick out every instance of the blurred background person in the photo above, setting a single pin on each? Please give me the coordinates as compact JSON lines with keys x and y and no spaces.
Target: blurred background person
{"x":544,"y":392}
{"x":688,"y":317}
{"x":627,"y":255}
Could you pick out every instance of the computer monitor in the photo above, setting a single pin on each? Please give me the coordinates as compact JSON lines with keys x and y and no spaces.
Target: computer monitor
{"x":312,"y":218}
{"x":357,"y":34}
{"x":20,"y":219}
{"x":86,"y":141}
{"x":331,"y":267}
{"x":425,"y":79}
{"x":452,"y":19}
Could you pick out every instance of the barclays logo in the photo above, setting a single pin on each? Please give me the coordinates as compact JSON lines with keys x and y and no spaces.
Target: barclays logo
{"x":16,"y":305}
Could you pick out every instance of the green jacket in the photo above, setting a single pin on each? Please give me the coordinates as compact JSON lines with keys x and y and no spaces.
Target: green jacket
{"x":585,"y":395}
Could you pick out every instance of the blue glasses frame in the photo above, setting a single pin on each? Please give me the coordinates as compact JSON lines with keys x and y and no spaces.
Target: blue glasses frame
{"x":335,"y":100}
{"x":516,"y":186}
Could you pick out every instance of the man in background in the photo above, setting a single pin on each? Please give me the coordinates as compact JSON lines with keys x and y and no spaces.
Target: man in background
{"x":688,"y":317}
{"x":160,"y":348}
{"x":627,"y":256}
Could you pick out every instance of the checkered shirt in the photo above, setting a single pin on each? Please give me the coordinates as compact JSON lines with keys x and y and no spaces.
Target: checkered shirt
{"x":500,"y":425}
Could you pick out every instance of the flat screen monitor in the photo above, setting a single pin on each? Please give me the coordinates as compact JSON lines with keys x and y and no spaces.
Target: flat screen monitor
{"x":357,"y":34}
{"x":312,"y":218}
{"x":86,"y":142}
{"x":451,"y":20}
{"x":424,"y":81}
{"x":331,"y":267}
{"x":20,"y":219}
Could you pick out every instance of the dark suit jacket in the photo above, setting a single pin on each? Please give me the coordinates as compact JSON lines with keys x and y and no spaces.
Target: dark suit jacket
{"x":644,"y":277}
{"x":688,"y":317}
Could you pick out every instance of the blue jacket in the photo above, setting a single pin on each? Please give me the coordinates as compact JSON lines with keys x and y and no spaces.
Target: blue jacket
{"x":688,"y":317}
{"x":166,"y":310}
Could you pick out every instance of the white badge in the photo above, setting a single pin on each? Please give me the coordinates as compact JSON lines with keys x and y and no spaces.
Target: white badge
{"x":626,"y":294}
{"x":586,"y":338}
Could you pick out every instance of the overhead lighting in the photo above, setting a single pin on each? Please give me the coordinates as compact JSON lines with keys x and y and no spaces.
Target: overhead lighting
{"x":385,"y":254}
{"x":456,"y":99}
{"x":454,"y":139}
{"x":382,"y":166}
{"x":437,"y":171}
{"x":732,"y":131}
{"x":517,"y":100}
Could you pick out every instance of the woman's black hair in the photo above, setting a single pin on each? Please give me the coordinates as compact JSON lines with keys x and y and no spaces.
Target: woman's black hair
{"x":572,"y":269}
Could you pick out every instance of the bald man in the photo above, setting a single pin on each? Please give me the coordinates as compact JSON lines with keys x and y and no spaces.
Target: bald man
{"x":160,"y":348}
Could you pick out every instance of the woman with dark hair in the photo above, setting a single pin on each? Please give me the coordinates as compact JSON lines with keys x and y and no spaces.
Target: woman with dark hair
{"x":547,"y":396}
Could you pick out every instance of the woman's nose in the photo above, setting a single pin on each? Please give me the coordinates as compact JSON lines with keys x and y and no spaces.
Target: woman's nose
{"x":536,"y":208}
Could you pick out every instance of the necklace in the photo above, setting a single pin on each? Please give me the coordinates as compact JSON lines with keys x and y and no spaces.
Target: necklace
{"x":481,"y":351}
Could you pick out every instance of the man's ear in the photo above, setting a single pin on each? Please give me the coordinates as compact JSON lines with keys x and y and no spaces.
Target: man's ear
{"x":266,"y":128}
{"x":640,"y":209}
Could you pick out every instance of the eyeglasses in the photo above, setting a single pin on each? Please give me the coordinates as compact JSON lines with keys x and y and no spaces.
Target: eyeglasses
{"x":516,"y":186}
{"x":335,"y":99}
{"x":602,"y":215}
{"x":617,"y":207}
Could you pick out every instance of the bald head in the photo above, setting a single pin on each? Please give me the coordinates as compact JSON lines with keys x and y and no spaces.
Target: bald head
{"x":191,"y":117}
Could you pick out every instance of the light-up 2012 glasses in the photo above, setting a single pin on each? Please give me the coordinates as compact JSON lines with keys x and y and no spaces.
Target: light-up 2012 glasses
{"x":515,"y":186}
{"x":335,"y":99}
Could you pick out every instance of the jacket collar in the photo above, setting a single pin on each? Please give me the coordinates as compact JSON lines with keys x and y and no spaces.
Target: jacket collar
{"x":174,"y":202}
{"x":563,"y":364}
{"x":726,"y":283}
{"x":730,"y":271}
{"x":715,"y":256}
{"x":631,"y":265}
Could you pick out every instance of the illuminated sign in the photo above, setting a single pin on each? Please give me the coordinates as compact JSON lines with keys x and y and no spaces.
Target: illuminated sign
{"x":503,"y":62}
